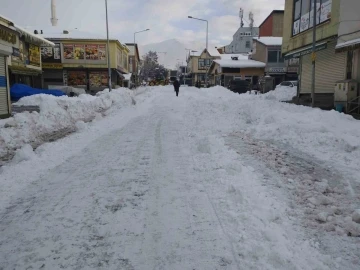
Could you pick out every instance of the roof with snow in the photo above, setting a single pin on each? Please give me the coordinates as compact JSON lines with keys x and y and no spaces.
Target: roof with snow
{"x":25,"y":32}
{"x":269,"y":41}
{"x":242,"y":63}
{"x":241,"y":56}
{"x":127,"y":77}
{"x":75,"y":35}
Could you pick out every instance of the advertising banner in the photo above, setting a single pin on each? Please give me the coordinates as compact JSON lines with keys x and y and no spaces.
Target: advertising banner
{"x":50,"y":54}
{"x":98,"y":79}
{"x":68,"y":51}
{"x":34,"y":55}
{"x":75,"y":78}
{"x":84,"y":52}
{"x":79,"y":52}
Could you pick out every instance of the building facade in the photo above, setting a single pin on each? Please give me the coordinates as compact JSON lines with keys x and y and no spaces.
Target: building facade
{"x":198,"y":65}
{"x":9,"y":41}
{"x":273,"y":25}
{"x":242,"y":40}
{"x":330,"y":66}
{"x":134,"y":61}
{"x":236,"y":67}
{"x":348,"y":39}
{"x":82,"y":63}
{"x":268,"y":50}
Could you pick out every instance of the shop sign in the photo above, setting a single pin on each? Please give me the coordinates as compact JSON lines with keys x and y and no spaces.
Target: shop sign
{"x":277,"y":70}
{"x":7,"y":36}
{"x":293,"y":69}
{"x":52,"y":65}
{"x":84,"y":52}
{"x":34,"y":55}
{"x":51,"y":54}
{"x":18,"y":56}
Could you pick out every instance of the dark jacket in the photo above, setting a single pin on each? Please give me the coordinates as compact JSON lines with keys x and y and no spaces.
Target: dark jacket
{"x":176,"y":85}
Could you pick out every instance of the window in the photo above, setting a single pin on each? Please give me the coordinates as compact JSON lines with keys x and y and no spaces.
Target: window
{"x":304,"y":15}
{"x":201,"y":64}
{"x":273,"y":56}
{"x":247,"y":45}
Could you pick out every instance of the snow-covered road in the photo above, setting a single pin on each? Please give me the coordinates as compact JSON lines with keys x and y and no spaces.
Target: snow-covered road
{"x":159,"y":186}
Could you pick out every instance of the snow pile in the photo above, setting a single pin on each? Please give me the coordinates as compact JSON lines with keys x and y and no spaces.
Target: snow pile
{"x":56,"y":114}
{"x":281,"y":93}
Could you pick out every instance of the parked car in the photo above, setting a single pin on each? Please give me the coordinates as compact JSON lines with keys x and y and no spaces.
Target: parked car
{"x":289,"y":83}
{"x":239,"y":86}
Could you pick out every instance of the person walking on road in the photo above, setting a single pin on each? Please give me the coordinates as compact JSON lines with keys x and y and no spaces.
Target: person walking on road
{"x":176,"y":86}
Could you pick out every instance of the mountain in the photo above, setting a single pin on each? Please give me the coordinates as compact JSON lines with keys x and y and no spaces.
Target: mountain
{"x":174,"y":48}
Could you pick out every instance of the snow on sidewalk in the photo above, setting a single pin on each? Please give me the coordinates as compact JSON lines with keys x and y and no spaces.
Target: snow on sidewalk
{"x":57,"y":114}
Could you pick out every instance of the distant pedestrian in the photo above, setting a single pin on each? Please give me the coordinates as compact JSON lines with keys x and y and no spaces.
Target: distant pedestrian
{"x":176,"y":86}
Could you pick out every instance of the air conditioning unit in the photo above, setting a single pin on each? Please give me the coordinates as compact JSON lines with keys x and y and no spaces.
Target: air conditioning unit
{"x":345,"y":92}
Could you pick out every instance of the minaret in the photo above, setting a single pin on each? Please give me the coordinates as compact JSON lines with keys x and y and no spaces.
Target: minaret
{"x":53,"y":18}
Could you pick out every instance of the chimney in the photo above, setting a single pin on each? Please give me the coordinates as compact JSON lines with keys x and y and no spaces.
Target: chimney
{"x":53,"y":18}
{"x":36,"y":32}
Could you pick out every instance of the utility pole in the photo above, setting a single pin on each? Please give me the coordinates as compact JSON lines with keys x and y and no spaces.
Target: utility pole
{"x":108,"y":46}
{"x":313,"y":58}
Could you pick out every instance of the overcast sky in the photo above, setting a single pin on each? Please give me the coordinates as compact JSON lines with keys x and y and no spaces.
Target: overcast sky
{"x":167,"y":19}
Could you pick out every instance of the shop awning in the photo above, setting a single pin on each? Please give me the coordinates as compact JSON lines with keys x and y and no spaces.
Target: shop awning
{"x":120,"y":75}
{"x":305,"y":51}
{"x":348,"y":45}
{"x":24,"y":71}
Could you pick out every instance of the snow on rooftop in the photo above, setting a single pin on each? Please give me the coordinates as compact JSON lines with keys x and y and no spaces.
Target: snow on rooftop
{"x":230,"y":55}
{"x":27,"y":32}
{"x":270,"y":41}
{"x":127,"y":77}
{"x":242,"y":63}
{"x":75,"y":35}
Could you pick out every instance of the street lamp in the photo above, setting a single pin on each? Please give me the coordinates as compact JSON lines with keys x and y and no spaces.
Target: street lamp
{"x":207,"y":37}
{"x":135,"y":54}
{"x":108,"y":46}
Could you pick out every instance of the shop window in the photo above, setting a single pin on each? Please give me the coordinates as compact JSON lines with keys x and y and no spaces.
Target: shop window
{"x":303,"y":14}
{"x":349,"y":64}
{"x":273,"y":56}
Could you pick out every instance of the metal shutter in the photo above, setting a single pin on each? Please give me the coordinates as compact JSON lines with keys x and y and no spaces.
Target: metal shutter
{"x":4,"y":103}
{"x":330,"y":67}
{"x":305,"y":78}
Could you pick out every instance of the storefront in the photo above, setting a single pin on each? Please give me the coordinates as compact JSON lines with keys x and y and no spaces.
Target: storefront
{"x":25,"y":65}
{"x":278,"y":73}
{"x":9,"y":41}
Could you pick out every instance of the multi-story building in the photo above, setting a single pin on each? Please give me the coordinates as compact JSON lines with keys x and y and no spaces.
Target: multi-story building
{"x":198,"y":64}
{"x":81,"y":62}
{"x":267,"y":49}
{"x":134,"y":61}
{"x":242,"y":40}
{"x":273,"y":25}
{"x":333,"y":26}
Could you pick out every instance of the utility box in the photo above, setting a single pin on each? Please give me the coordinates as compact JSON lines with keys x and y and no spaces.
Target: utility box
{"x":345,"y":92}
